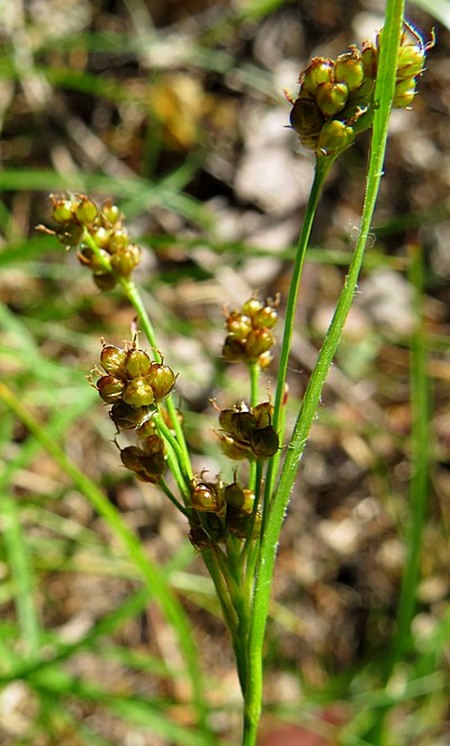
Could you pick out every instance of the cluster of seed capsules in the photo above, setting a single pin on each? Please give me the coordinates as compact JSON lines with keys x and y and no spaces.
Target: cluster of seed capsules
{"x":134,"y":386}
{"x":249,"y":338}
{"x":220,"y":509}
{"x":77,"y":218}
{"x":335,"y":100}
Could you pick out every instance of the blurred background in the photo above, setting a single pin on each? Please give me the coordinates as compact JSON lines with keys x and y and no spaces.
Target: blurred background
{"x":177,"y":111}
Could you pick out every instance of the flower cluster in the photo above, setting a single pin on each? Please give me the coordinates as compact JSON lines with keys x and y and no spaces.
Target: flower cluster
{"x":134,"y":385}
{"x":220,"y":509}
{"x":247,"y":432}
{"x":105,"y":247}
{"x":335,"y":100}
{"x":249,"y":338}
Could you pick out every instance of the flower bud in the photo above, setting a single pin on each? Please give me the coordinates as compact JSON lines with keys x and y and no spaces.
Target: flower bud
{"x":138,"y":393}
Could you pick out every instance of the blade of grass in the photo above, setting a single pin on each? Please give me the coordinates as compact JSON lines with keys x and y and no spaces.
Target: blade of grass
{"x":153,"y":577}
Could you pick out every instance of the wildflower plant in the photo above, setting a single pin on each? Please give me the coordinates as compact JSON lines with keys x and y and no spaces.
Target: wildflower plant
{"x":234,"y":519}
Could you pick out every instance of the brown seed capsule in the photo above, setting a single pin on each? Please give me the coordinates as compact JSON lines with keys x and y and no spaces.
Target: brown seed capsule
{"x":233,"y":349}
{"x":69,"y":234}
{"x":112,"y":359}
{"x":104,"y":280}
{"x":242,"y":426}
{"x":258,"y":342}
{"x":110,"y":388}
{"x":243,"y":525}
{"x":306,"y":119}
{"x":126,"y":417}
{"x":263,"y":413}
{"x":233,"y":450}
{"x":264,"y":442}
{"x":206,"y":497}
{"x":162,"y":380}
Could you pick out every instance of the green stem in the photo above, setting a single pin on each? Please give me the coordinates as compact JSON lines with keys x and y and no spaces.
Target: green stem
{"x":384,"y":92}
{"x":322,"y":169}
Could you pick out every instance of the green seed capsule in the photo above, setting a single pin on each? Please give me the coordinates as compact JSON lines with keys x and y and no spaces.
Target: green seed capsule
{"x":86,"y":211}
{"x":265,"y":318}
{"x":124,"y":261}
{"x":405,"y":90}
{"x":119,"y":240}
{"x":320,"y":70}
{"x":62,"y":209}
{"x":137,"y":363}
{"x":238,"y":325}
{"x":252,"y":306}
{"x":349,"y":69}
{"x":331,"y":98}
{"x":138,"y":393}
{"x":335,"y":136}
{"x":110,"y":213}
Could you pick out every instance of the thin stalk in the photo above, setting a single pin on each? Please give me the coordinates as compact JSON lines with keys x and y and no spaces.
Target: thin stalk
{"x":384,"y":92}
{"x":133,"y":295}
{"x":321,"y":171}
